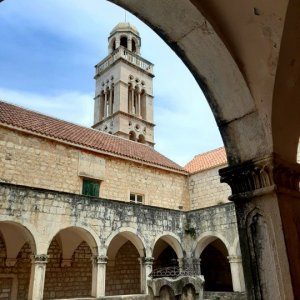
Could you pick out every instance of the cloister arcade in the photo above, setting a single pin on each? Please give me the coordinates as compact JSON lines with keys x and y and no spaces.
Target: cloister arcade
{"x":70,"y":259}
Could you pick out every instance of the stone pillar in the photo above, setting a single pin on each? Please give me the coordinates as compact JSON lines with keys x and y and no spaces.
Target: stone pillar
{"x":37,"y":276}
{"x":146,"y":269}
{"x":129,"y":44}
{"x":237,"y":275}
{"x":98,"y":276}
{"x":105,"y":104}
{"x":132,"y":101}
{"x":266,"y":196}
{"x":110,"y":102}
{"x":139,"y":103}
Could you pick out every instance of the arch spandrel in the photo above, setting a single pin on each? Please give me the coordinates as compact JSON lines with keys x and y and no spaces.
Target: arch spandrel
{"x":208,"y":237}
{"x":128,"y":234}
{"x":82,"y":233}
{"x":16,"y":234}
{"x":171,"y":239}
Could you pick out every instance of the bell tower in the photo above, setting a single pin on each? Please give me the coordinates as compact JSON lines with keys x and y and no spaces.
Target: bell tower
{"x":124,"y":92}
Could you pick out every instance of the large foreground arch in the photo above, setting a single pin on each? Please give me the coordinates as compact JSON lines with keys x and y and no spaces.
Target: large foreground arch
{"x":242,"y":57}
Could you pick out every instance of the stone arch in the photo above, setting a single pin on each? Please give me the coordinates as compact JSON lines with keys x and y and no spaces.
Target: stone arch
{"x":141,"y":139}
{"x":14,"y":242}
{"x":173,"y":240}
{"x":215,"y":266}
{"x":17,"y":247}
{"x":206,"y":238}
{"x":69,"y":266}
{"x":124,"y":41}
{"x":125,"y":251}
{"x":82,"y":232}
{"x":130,"y":234}
{"x":112,"y":45}
{"x":132,"y":136}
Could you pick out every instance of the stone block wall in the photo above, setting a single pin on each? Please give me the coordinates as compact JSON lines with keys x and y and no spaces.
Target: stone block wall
{"x":123,"y":277}
{"x":39,"y":162}
{"x":21,"y":270}
{"x":69,"y":281}
{"x":206,"y":190}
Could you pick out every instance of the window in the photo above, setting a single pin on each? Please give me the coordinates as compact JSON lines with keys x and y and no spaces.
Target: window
{"x":136,"y":198}
{"x":90,"y":187}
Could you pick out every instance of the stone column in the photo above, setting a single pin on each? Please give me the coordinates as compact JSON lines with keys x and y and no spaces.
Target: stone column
{"x":132,"y":101}
{"x":110,"y":102}
{"x":146,"y":269}
{"x":237,"y":275}
{"x":98,"y":276}
{"x":105,"y":104}
{"x":266,"y":196}
{"x":129,"y":44}
{"x":139,"y":103}
{"x":37,"y":276}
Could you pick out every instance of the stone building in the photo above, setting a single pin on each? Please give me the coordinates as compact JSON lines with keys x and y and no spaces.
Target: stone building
{"x":91,"y":212}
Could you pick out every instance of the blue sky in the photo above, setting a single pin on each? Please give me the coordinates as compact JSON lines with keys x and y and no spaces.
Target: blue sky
{"x":48,"y":50}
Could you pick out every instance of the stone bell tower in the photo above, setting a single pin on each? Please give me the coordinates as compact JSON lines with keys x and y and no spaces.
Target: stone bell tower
{"x":124,"y":93}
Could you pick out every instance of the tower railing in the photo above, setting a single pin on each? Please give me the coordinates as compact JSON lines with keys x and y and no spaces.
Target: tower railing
{"x":129,"y":56}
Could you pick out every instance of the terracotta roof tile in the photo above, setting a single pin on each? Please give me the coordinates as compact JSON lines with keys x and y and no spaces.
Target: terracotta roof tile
{"x":207,"y":160}
{"x":94,"y":139}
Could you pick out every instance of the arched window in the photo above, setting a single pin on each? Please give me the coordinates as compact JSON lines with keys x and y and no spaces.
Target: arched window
{"x":132,"y":136}
{"x":123,"y":41}
{"x":141,"y":139}
{"x":143,"y":104}
{"x":133,"y":46}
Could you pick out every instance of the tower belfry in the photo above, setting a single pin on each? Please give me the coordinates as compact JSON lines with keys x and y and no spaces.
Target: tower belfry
{"x":124,"y":92}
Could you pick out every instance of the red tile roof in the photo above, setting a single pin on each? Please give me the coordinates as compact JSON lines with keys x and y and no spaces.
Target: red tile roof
{"x":207,"y":160}
{"x":93,"y":139}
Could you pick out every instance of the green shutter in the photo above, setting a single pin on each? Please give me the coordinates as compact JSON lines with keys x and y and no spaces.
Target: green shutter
{"x":90,"y":188}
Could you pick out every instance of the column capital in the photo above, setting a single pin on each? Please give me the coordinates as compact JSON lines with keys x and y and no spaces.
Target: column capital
{"x":148,"y":260}
{"x":101,"y":259}
{"x":39,"y":259}
{"x":234,"y":259}
{"x":261,"y":176}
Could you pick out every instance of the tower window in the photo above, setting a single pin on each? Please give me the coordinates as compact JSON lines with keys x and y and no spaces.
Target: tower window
{"x":132,"y":136}
{"x":123,"y":41}
{"x":133,"y":46}
{"x":136,"y":198}
{"x":90,"y":187}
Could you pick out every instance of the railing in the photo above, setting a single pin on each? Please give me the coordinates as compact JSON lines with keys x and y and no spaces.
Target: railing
{"x":175,"y":271}
{"x":124,"y":53}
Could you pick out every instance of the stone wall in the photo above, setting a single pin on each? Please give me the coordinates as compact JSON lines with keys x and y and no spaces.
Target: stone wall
{"x":20,"y":270}
{"x":206,"y":190}
{"x":39,"y":162}
{"x":67,"y":281}
{"x":123,"y":276}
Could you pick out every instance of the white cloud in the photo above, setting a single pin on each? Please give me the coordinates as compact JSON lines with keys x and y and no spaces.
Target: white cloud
{"x":71,"y":106}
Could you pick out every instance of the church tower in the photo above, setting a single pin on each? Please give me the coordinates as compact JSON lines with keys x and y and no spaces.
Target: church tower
{"x":124,"y":92}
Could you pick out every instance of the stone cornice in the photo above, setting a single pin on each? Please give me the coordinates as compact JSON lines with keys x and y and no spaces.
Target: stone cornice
{"x":261,"y":176}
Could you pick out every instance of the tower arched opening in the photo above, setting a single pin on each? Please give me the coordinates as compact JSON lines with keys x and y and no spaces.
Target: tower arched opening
{"x":133,"y":45}
{"x":141,"y":139}
{"x":132,"y":136}
{"x":124,"y":41}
